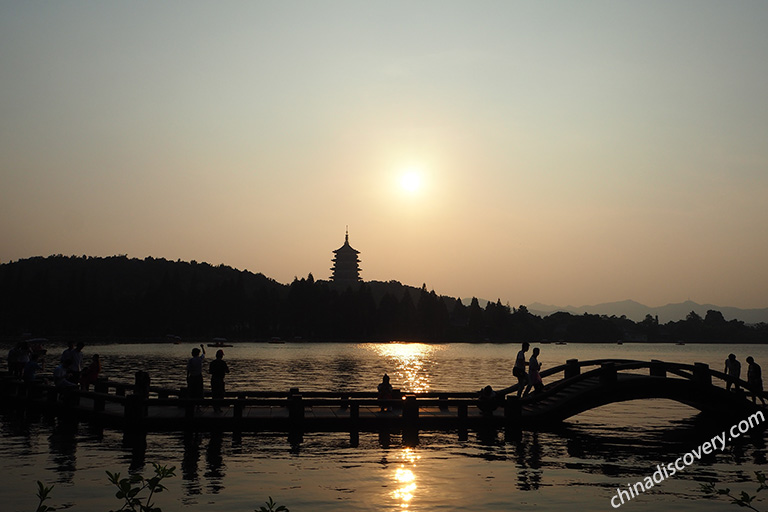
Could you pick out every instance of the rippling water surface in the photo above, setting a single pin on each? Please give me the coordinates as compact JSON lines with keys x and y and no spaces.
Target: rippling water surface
{"x":577,"y":465}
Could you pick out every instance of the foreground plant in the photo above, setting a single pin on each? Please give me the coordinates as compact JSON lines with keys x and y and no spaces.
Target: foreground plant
{"x":272,"y":507}
{"x":744,"y":499}
{"x":128,"y":489}
{"x":42,"y":494}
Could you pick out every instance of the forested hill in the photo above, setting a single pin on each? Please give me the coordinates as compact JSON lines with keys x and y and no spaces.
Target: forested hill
{"x":121,"y":298}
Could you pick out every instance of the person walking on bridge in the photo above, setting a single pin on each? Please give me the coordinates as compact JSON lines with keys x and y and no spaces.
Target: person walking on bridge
{"x":755,"y":380}
{"x":519,"y":369}
{"x":733,"y":371}
{"x":534,"y":377}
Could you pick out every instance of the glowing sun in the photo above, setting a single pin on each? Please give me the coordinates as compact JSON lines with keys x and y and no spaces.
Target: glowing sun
{"x":410,"y":181}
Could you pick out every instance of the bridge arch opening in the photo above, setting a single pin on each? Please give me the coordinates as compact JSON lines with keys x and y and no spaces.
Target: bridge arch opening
{"x":639,"y":412}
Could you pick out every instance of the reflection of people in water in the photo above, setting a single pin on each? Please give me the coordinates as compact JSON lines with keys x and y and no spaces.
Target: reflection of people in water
{"x":385,"y":392}
{"x":733,"y":370}
{"x":755,"y":380}
{"x":214,"y":462}
{"x":529,"y":462}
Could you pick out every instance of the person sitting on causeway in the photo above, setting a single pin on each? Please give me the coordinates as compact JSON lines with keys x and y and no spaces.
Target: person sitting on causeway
{"x":385,"y":391}
{"x":488,"y":401}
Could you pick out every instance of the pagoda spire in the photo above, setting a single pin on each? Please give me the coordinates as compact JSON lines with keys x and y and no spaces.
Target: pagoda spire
{"x":346,"y":264}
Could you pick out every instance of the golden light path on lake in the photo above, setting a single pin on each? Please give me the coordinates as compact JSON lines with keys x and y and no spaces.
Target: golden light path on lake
{"x":409,"y":363}
{"x":405,"y":478}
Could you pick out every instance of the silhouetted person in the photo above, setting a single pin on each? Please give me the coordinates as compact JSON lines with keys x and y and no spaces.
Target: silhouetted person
{"x":488,"y":401}
{"x":31,"y":368}
{"x":733,"y":371}
{"x":195,"y":373}
{"x":89,"y":375}
{"x":755,"y":380}
{"x":385,"y":391}
{"x":62,"y":375}
{"x":67,"y":354}
{"x":77,"y":362}
{"x":519,"y":369}
{"x":218,"y":369}
{"x":18,"y":357}
{"x":534,"y":377}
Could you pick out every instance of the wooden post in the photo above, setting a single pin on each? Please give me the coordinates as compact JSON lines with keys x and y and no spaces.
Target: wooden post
{"x":134,"y":410}
{"x":295,"y":418}
{"x":513,"y":411}
{"x":295,"y":410}
{"x":140,"y":394}
{"x":658,"y":369}
{"x":141,"y":384}
{"x":701,"y":374}
{"x":52,"y":395}
{"x":22,"y":391}
{"x":608,"y":373}
{"x":237,"y":412}
{"x":71,"y":398}
{"x":410,"y":421}
{"x":354,"y":420}
{"x":410,"y":410}
{"x":443,"y":401}
{"x":572,"y":368}
{"x":100,"y":387}
{"x":463,"y":412}
{"x":189,"y":409}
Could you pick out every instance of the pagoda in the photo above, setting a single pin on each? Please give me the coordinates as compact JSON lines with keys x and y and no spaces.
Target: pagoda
{"x":346,"y":264}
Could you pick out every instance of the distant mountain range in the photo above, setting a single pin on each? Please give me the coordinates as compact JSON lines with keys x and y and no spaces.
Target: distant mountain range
{"x":671,"y":312}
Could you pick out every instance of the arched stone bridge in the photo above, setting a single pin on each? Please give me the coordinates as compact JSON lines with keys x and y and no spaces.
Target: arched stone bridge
{"x":585,"y":385}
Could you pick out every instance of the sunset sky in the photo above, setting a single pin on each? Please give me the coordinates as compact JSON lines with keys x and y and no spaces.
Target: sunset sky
{"x":559,"y":152}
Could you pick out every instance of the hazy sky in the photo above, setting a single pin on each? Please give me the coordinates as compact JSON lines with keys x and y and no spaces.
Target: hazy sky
{"x":562,"y":152}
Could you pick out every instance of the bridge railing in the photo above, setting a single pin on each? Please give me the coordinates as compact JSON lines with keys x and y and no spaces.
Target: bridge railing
{"x":572,"y":373}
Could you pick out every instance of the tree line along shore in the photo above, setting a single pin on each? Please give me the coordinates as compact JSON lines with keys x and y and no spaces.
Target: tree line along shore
{"x":126,"y":298}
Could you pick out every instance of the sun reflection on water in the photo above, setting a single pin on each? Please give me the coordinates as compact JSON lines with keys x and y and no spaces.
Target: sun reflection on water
{"x":410,"y":361}
{"x":405,"y":478}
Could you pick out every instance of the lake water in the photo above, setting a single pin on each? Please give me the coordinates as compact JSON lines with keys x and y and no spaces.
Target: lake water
{"x":577,"y":466}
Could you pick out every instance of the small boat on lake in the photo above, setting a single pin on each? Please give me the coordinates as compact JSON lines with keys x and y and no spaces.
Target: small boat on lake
{"x":219,"y":342}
